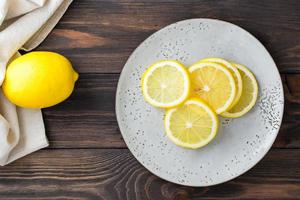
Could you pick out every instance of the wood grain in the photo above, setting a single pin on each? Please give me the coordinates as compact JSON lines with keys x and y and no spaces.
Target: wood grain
{"x":87,"y":119}
{"x":115,"y":174}
{"x":98,"y":36}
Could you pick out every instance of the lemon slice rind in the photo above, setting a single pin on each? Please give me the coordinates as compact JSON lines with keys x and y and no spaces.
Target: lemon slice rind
{"x":214,"y":127}
{"x":229,"y":101}
{"x":181,"y":69}
{"x":236,"y":75}
{"x":228,"y":114}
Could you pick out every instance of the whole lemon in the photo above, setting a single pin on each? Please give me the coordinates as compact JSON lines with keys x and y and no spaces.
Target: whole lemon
{"x":39,"y":79}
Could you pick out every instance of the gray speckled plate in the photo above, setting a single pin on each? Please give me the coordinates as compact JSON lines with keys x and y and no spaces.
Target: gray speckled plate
{"x":240,"y":143}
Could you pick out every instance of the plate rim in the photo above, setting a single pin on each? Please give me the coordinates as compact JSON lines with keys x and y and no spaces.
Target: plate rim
{"x":117,"y":102}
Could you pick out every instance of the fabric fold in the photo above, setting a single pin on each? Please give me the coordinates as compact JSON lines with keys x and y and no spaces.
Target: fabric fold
{"x":24,"y":24}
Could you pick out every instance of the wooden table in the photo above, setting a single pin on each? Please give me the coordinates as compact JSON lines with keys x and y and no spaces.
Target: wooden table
{"x":87,"y":157}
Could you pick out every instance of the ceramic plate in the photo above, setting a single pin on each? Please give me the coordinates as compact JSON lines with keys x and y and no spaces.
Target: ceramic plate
{"x":240,"y":143}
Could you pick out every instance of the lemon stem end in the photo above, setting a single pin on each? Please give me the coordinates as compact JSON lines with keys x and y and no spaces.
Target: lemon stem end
{"x":75,"y":76}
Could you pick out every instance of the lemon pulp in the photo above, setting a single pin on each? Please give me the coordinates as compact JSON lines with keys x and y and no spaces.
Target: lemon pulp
{"x":214,"y":84}
{"x":191,"y":125}
{"x":236,"y":76}
{"x":166,"y":84}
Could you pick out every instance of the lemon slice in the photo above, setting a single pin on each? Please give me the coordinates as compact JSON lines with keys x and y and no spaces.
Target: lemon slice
{"x":166,"y":84}
{"x":191,"y":125}
{"x":249,"y":94}
{"x":236,"y":76}
{"x":214,"y":84}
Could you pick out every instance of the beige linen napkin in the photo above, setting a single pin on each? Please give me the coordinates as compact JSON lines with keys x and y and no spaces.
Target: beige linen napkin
{"x":24,"y":24}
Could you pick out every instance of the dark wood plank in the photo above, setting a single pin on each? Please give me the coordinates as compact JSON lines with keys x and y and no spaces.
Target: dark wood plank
{"x":87,"y":119}
{"x":115,"y":174}
{"x":99,"y":35}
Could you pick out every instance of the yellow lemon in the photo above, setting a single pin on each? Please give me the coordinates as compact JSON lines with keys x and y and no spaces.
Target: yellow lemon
{"x":166,"y":84}
{"x":191,"y":125}
{"x":249,"y":94}
{"x":214,"y":84}
{"x":236,"y":76}
{"x":39,"y":79}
